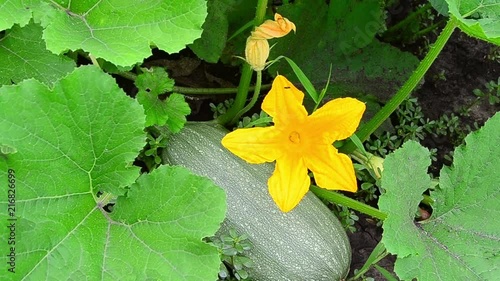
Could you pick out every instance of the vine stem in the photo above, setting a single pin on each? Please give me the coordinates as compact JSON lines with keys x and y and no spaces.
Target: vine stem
{"x":198,"y":91}
{"x":246,"y":74}
{"x":215,"y":91}
{"x":343,"y":200}
{"x":406,"y":89}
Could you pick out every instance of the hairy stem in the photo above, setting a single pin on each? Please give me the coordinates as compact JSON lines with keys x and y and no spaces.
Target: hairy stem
{"x":343,"y":200}
{"x":406,"y":89}
{"x":253,"y":101}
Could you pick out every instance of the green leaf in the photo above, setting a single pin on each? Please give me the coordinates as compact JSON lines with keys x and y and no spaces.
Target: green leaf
{"x":121,"y":31}
{"x":177,"y":109}
{"x":308,"y":86}
{"x":6,"y":149}
{"x":14,"y":12}
{"x":84,"y":127}
{"x":385,"y":273}
{"x":24,"y":56}
{"x":75,"y":140}
{"x":164,"y":218}
{"x":478,"y":18}
{"x":460,"y":236}
{"x":342,"y":34}
{"x":172,"y":111}
{"x":440,"y":6}
{"x":154,"y":81}
{"x":213,"y":39}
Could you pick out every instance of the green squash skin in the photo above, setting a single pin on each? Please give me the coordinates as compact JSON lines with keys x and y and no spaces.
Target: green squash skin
{"x":307,"y":243}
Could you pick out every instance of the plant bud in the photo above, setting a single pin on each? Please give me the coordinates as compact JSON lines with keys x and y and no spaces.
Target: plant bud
{"x":257,"y":52}
{"x":377,"y":165}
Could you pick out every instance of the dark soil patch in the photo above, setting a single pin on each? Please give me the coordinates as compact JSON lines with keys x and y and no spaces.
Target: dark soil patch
{"x":465,"y":67}
{"x":363,"y":241}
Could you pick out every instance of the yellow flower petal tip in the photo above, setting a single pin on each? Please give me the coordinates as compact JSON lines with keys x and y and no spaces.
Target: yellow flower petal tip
{"x":298,"y":143}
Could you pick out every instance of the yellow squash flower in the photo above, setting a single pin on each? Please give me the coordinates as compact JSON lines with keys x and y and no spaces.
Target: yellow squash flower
{"x":298,"y":143}
{"x":276,"y":28}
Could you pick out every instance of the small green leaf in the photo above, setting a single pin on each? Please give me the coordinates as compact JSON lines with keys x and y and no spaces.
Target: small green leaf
{"x":172,"y":111}
{"x":359,"y":145}
{"x":177,"y":109}
{"x":480,"y":19}
{"x":460,"y":235}
{"x":154,"y":81}
{"x":23,"y":56}
{"x":122,"y":31}
{"x":385,"y":273}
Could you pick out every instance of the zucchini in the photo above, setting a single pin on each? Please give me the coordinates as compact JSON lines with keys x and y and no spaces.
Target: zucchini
{"x":307,"y":243}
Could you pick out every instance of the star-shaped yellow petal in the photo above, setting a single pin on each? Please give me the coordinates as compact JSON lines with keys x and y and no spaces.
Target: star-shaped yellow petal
{"x":298,"y":143}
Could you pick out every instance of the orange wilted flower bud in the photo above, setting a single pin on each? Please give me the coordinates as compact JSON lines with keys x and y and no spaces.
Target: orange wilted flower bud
{"x":276,"y":28}
{"x":256,"y":53}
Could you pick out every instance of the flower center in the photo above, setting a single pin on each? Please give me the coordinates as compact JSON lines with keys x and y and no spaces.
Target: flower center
{"x":294,"y":137}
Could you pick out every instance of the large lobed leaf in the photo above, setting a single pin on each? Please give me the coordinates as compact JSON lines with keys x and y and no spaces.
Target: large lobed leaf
{"x":15,"y":12}
{"x":461,"y":239}
{"x":119,"y":31}
{"x":23,"y":55}
{"x":68,"y":143}
{"x":478,"y":18}
{"x":122,"y":31}
{"x":213,"y":39}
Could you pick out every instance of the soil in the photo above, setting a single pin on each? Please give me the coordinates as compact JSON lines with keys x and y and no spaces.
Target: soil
{"x":465,"y":66}
{"x":363,"y":241}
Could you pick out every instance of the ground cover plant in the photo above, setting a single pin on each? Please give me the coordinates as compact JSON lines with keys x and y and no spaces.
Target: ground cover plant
{"x":305,"y":130}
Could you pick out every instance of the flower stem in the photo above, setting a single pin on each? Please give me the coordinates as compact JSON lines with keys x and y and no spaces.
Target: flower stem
{"x":343,"y":200}
{"x":406,"y":89}
{"x":246,"y":74}
{"x":253,"y":101}
{"x":197,"y":91}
